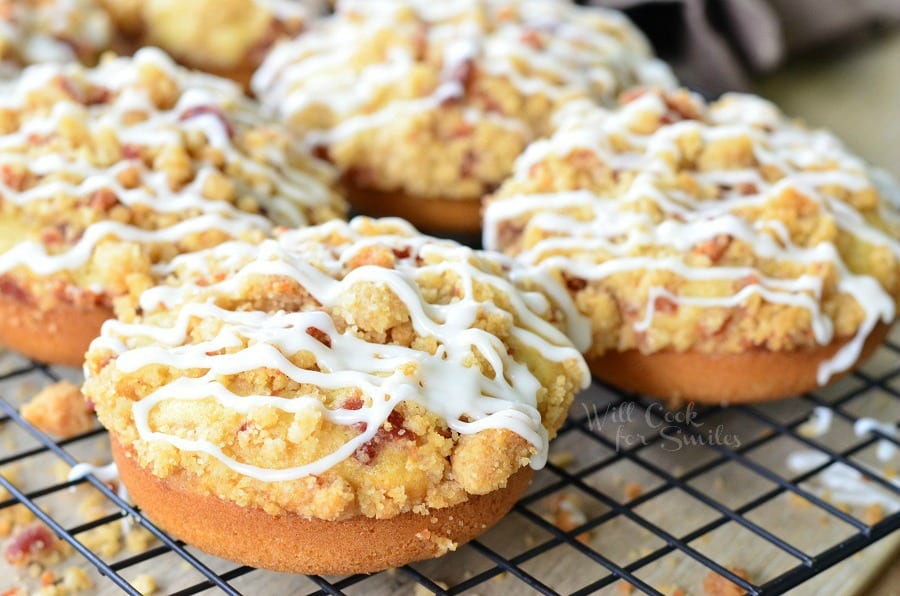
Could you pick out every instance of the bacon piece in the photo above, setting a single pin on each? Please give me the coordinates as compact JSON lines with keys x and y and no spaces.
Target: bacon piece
{"x":213,"y":110}
{"x":32,"y":543}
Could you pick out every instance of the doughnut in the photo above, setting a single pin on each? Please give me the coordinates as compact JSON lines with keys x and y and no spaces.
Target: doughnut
{"x":338,"y":399}
{"x":107,"y":172}
{"x":720,"y":252}
{"x":224,"y":37}
{"x":424,"y":106}
{"x":37,"y":31}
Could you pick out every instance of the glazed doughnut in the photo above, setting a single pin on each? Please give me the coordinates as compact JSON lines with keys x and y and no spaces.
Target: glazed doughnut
{"x":424,"y":106}
{"x":224,"y":37}
{"x":359,"y":382}
{"x":107,"y":172}
{"x":721,"y":252}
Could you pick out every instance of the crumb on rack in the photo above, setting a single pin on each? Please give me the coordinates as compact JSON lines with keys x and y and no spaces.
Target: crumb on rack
{"x":138,"y":539}
{"x":420,"y":590}
{"x":873,"y":514}
{"x":562,"y":458}
{"x":15,"y":516}
{"x":60,"y":410}
{"x":716,"y":585}
{"x":797,"y":501}
{"x":60,"y":470}
{"x":145,"y":584}
{"x":104,"y":540}
{"x":633,"y":490}
{"x":567,"y":514}
{"x":623,"y":588}
{"x":76,"y":579}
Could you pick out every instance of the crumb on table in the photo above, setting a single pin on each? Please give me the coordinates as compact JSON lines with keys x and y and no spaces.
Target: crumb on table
{"x":60,"y":410}
{"x":145,"y":584}
{"x":716,"y":585}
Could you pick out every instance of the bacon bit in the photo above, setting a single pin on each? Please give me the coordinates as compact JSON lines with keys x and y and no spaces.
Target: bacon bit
{"x":575,"y":284}
{"x":462,"y":73}
{"x":103,"y":200}
{"x":629,"y":95}
{"x":353,"y":403}
{"x":54,"y":235}
{"x":214,"y":110}
{"x":98,"y":95}
{"x":714,"y":248}
{"x":747,"y":188}
{"x":682,"y":104}
{"x":244,"y":426}
{"x":469,"y":163}
{"x":91,"y":96}
{"x":130,"y":151}
{"x":750,"y":280}
{"x":420,"y":42}
{"x":532,"y":38}
{"x":633,"y":490}
{"x":13,"y":178}
{"x":47,"y":578}
{"x":665,"y":305}
{"x":319,"y":335}
{"x":367,"y":452}
{"x":32,"y":543}
{"x":463,"y":130}
{"x":402,"y":253}
{"x":13,"y":290}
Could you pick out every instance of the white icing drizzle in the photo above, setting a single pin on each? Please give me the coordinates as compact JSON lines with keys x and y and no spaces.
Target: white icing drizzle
{"x":442,"y":382}
{"x":819,"y":422}
{"x":318,"y":68}
{"x":203,"y":107}
{"x":107,"y":473}
{"x":840,"y":483}
{"x":613,"y":229}
{"x":886,"y":449}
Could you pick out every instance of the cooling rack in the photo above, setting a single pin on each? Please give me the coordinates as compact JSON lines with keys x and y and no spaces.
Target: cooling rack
{"x":635,"y":497}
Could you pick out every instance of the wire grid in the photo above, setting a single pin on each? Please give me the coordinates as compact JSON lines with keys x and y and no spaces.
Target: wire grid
{"x":603,"y":454}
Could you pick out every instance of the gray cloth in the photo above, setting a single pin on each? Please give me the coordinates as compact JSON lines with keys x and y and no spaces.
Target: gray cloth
{"x":716,"y":45}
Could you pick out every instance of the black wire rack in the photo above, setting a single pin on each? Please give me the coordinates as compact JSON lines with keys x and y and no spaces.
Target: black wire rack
{"x":617,"y":452}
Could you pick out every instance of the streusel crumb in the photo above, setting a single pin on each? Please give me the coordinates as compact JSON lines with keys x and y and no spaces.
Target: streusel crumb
{"x":60,"y":410}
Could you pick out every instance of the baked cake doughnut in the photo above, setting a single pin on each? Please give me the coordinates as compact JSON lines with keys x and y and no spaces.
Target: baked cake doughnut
{"x":35,"y":31}
{"x":425,"y":105}
{"x":340,"y":399}
{"x":226,"y":37}
{"x":105,"y":172}
{"x":722,"y":252}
